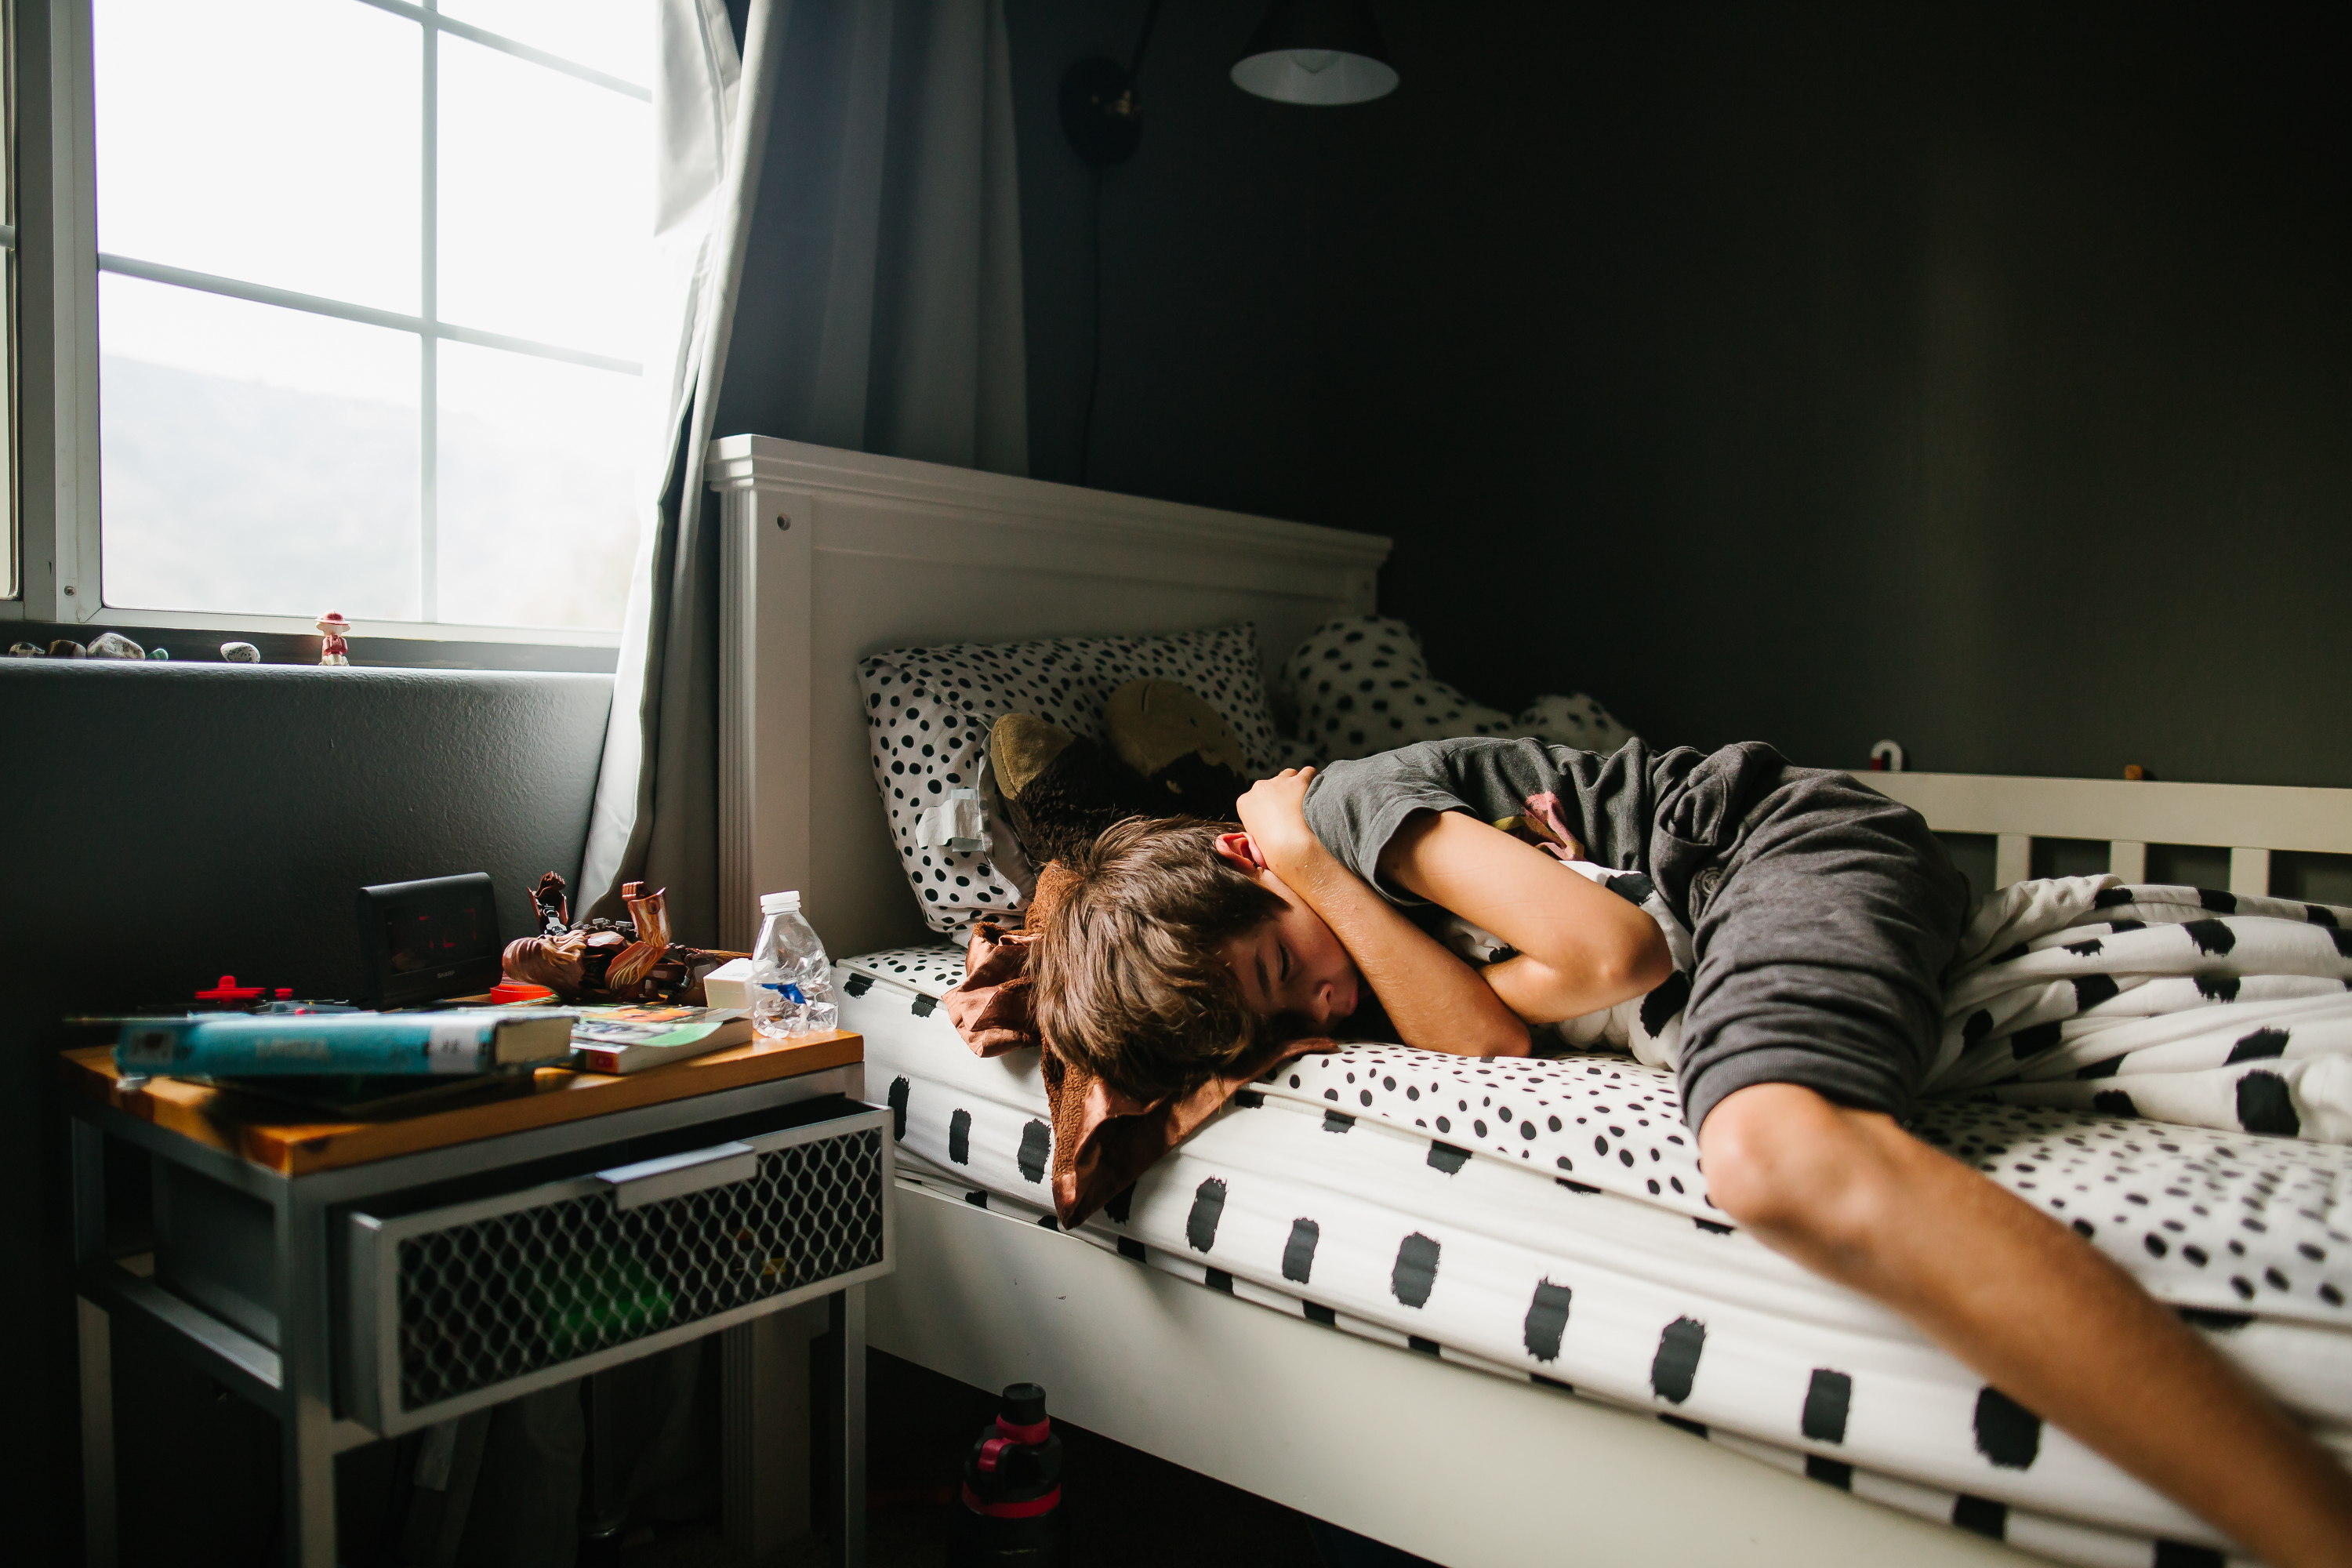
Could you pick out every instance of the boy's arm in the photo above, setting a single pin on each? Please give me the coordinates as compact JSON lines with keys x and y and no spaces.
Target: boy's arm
{"x":1581,"y":947}
{"x":1436,"y":1002}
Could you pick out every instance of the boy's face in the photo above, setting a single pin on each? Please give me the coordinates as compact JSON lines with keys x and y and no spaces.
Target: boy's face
{"x":1294,"y":964}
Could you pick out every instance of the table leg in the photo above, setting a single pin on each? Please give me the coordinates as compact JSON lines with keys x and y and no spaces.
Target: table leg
{"x":306,"y":1418}
{"x":98,"y":1543}
{"x":95,"y":1331}
{"x":847,"y":1311}
{"x":765,"y":1428}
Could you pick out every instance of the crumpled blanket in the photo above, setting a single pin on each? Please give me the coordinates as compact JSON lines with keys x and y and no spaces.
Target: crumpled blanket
{"x":2181,"y":1004}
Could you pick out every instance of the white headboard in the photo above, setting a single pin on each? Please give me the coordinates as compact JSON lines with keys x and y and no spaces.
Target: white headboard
{"x":829,"y":556}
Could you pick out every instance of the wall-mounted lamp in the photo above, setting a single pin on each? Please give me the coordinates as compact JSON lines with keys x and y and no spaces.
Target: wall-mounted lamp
{"x":1304,"y":51}
{"x":1316,"y":52}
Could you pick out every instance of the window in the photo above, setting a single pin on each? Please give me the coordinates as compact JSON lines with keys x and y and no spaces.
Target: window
{"x":369,"y":277}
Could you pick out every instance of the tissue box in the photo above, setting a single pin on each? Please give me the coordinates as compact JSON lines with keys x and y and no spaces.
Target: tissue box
{"x":723,"y":986}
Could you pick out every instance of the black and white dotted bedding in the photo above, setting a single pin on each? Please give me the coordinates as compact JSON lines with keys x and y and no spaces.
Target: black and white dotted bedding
{"x":929,"y":711}
{"x":1547,"y":1220}
{"x":2182,"y":1005}
{"x":1361,"y":684}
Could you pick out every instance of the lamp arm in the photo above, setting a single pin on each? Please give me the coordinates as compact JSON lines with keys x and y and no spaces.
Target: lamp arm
{"x":1143,"y":40}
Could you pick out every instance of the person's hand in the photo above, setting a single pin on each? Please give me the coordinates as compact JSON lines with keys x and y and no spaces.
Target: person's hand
{"x":1274,"y":812}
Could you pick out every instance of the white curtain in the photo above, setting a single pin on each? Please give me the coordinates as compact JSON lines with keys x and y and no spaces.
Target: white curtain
{"x":848,"y":220}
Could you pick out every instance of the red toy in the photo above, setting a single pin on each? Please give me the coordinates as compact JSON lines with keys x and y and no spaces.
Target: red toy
{"x":334,"y":647}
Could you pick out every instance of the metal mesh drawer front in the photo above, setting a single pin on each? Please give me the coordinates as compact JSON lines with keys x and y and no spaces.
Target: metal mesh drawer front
{"x":486,"y":1302}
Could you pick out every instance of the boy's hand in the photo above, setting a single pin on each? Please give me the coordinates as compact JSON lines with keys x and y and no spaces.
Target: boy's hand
{"x":1274,"y":812}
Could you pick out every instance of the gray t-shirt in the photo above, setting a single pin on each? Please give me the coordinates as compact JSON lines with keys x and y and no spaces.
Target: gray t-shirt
{"x":1356,"y":806}
{"x":1670,"y":815}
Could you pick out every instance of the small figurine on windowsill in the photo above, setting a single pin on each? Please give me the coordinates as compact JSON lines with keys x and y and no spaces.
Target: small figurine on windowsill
{"x":333,"y":647}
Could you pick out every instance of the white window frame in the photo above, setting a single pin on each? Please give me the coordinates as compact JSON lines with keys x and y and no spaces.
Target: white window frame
{"x":57,"y":260}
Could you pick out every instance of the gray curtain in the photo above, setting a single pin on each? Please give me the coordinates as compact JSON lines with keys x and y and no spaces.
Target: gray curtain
{"x":862,"y":292}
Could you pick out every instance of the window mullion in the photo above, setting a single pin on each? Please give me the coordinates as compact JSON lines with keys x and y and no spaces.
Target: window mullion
{"x":428,"y":455}
{"x":57,"y":273}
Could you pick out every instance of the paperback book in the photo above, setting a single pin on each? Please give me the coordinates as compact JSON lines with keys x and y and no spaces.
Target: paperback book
{"x":631,"y":1039}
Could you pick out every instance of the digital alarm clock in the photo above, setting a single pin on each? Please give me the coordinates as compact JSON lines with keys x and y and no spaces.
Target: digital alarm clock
{"x":426,"y":940}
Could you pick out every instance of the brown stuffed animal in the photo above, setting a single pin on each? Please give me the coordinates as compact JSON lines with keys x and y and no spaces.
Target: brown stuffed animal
{"x":1168,"y":754}
{"x":1182,"y":748}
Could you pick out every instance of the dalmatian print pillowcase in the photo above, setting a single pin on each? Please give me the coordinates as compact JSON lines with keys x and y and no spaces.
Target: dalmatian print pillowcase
{"x":928,"y":713}
{"x":1362,"y":685}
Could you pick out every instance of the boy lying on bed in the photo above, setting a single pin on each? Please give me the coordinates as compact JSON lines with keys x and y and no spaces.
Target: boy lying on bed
{"x":1823,"y":915}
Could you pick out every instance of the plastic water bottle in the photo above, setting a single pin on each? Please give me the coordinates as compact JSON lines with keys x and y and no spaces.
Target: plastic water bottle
{"x":791,"y":982}
{"x":1012,"y":1490}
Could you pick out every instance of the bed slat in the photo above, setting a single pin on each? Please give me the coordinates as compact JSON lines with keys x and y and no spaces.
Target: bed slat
{"x":2012,"y":858}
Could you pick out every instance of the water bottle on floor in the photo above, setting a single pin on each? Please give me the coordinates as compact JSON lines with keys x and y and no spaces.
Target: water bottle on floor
{"x":1012,"y":1490}
{"x":791,"y":982}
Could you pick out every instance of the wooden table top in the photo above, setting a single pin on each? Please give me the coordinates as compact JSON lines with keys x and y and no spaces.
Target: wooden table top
{"x":266,"y":1135}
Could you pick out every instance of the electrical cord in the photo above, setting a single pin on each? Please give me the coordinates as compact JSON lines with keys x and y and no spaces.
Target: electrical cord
{"x":1094,"y":371}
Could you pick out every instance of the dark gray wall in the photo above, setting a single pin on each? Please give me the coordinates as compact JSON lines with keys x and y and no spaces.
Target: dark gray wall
{"x":1977,"y":376}
{"x":167,"y":823}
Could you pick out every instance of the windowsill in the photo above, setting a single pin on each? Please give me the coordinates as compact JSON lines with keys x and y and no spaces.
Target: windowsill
{"x":287,"y":641}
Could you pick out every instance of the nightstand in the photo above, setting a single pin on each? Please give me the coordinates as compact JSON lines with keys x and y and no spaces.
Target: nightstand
{"x":364,"y":1280}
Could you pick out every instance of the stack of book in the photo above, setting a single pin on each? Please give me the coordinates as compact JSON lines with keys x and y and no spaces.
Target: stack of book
{"x":387,"y":1061}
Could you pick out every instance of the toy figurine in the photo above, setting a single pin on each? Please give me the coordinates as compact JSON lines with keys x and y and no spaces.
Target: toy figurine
{"x":600,"y":960}
{"x":554,"y":908}
{"x":333,"y":647}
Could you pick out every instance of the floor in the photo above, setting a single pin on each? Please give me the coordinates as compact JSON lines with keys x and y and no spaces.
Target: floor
{"x":1122,"y":1508}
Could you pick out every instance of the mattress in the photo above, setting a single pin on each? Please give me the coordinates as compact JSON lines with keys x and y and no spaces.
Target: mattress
{"x":1545,"y":1220}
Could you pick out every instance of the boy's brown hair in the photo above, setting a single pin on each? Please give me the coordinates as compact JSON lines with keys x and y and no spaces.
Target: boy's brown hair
{"x":1127,"y":976}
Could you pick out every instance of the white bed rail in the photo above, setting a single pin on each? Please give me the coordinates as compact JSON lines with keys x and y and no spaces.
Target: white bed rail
{"x":2251,"y":821}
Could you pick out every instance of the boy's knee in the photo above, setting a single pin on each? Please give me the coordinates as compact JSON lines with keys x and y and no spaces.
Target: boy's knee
{"x":1784,"y":1160}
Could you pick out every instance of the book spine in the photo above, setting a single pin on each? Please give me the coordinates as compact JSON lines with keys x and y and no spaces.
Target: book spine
{"x":331,"y":1043}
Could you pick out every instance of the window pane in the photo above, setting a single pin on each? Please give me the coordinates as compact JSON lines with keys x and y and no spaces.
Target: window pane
{"x":615,"y":37}
{"x":539,"y":512}
{"x":546,"y":203}
{"x":272,"y":141}
{"x":255,"y":459}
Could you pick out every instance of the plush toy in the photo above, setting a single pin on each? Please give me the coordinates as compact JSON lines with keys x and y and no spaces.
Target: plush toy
{"x":1167,"y":754}
{"x":1179,"y":745}
{"x":1059,"y":789}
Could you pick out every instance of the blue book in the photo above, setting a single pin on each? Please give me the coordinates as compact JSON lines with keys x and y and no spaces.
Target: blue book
{"x":240,"y":1044}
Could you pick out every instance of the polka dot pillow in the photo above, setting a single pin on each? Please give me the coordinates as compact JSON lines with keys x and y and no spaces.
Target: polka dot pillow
{"x":928,"y":713}
{"x":1362,"y":685}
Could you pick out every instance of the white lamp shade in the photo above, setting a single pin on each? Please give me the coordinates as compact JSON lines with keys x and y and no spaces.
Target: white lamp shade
{"x":1315,"y":76}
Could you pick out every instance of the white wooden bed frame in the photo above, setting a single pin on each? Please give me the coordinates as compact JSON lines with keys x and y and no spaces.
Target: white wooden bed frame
{"x":830,"y":556}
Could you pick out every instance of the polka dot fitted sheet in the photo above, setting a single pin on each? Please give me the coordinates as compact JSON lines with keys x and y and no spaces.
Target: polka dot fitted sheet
{"x":1547,"y":1220}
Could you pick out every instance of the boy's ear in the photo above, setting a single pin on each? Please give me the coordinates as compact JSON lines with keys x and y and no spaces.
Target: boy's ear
{"x":1240,"y":851}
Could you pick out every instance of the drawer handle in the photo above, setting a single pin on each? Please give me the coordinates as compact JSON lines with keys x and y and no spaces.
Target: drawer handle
{"x":673,"y":1175}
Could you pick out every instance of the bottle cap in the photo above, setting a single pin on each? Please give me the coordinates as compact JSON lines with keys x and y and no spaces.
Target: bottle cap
{"x":1023,"y":1405}
{"x":779,"y":903}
